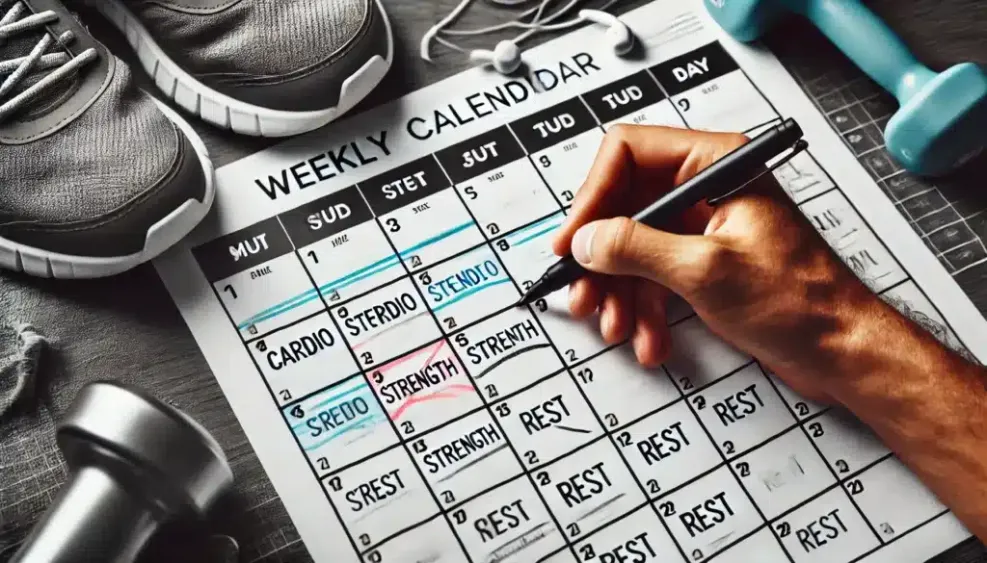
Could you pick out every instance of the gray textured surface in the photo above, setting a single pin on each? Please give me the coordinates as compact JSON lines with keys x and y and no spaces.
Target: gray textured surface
{"x":127,"y":328}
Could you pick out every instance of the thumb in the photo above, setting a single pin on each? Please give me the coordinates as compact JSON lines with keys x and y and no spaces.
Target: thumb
{"x":622,"y":246}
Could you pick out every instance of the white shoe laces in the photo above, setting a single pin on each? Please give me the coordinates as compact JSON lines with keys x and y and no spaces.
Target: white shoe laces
{"x":58,"y":64}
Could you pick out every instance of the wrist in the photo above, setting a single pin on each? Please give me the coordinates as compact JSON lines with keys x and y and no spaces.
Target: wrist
{"x":889,"y":366}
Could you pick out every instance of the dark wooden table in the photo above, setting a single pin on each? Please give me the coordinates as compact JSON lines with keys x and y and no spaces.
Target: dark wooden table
{"x":127,"y":328}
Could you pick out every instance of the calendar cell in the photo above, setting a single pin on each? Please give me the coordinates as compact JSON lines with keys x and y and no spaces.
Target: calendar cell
{"x":844,"y":229}
{"x":803,"y":178}
{"x":783,"y":473}
{"x":547,"y":421}
{"x":381,"y":497}
{"x":802,"y":408}
{"x":577,"y":340}
{"x":761,"y":547}
{"x":699,"y":358}
{"x":589,"y":489}
{"x":326,"y":230}
{"x":622,"y":391}
{"x":390,"y":318}
{"x":527,"y":252}
{"x":303,"y":358}
{"x":845,"y":442}
{"x":467,"y":288}
{"x":508,"y":524}
{"x":424,"y":389}
{"x":827,"y":529}
{"x":892,"y":498}
{"x":426,"y":235}
{"x":711,"y":91}
{"x":423,"y":219}
{"x":508,"y":198}
{"x":463,"y":459}
{"x":661,"y":113}
{"x":258,"y":279}
{"x":566,"y":165}
{"x":506,"y":352}
{"x":709,"y":515}
{"x":432,"y":541}
{"x":667,"y":449}
{"x":637,"y":538}
{"x":741,"y":411}
{"x":340,"y":425}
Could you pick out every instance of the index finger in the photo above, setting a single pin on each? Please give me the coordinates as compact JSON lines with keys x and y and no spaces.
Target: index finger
{"x":636,"y":163}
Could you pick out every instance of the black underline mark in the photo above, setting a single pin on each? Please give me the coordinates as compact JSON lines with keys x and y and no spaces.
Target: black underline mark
{"x":593,"y":511}
{"x":508,"y":357}
{"x":570,"y":429}
{"x":535,"y":531}
{"x":472,"y":463}
{"x":718,"y":542}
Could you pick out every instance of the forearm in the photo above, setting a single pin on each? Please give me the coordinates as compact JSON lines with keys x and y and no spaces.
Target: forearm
{"x":926,"y":403}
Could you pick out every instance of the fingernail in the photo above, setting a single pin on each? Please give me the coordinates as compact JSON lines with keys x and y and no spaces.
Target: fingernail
{"x":582,"y":244}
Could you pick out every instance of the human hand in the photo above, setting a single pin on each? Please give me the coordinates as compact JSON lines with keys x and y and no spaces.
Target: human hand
{"x":752,"y":268}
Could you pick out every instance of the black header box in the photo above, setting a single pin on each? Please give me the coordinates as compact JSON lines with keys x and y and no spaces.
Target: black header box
{"x":624,"y":96}
{"x":405,"y":184}
{"x":553,"y":125}
{"x":325,"y":217}
{"x":242,"y":250}
{"x":479,"y":155}
{"x":694,"y":68}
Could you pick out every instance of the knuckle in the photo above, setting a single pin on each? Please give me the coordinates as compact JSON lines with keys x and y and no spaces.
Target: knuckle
{"x":618,"y":132}
{"x":708,"y":265}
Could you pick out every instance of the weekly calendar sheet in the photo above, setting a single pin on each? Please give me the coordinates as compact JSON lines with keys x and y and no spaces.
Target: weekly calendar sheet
{"x":354,"y":292}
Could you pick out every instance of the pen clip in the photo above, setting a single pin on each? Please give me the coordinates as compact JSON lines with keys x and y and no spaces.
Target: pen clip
{"x":798,"y":147}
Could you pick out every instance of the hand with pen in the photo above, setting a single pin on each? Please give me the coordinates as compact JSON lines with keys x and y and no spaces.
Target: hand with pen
{"x":762,"y":279}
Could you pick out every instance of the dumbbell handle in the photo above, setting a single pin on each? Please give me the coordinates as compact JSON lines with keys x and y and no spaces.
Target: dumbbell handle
{"x":883,"y":56}
{"x":93,"y":519}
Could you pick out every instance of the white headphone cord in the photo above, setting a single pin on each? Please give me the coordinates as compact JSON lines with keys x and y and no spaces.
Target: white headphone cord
{"x":537,"y":24}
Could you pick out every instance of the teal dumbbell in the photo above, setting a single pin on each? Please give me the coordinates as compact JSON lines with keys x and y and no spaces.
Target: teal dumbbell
{"x":942,"y":121}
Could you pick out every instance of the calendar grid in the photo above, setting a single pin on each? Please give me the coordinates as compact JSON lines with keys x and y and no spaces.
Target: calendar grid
{"x":614,"y":436}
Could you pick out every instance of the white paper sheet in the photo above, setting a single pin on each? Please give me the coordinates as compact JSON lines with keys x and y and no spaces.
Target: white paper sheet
{"x":353,"y":291}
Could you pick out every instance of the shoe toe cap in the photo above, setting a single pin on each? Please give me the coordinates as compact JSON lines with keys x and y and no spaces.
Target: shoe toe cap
{"x":317,"y":86}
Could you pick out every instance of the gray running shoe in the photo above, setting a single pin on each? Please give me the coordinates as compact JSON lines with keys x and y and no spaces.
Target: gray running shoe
{"x":96,"y":177}
{"x":267,"y":68}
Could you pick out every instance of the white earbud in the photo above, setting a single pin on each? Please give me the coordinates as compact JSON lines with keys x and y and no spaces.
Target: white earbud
{"x":505,"y":58}
{"x":618,"y":35}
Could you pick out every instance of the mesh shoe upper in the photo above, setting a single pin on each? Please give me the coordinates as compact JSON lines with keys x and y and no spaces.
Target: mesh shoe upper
{"x":89,"y":174}
{"x":282,"y":54}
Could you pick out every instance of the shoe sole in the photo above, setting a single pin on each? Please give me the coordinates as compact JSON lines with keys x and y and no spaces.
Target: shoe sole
{"x":161,"y":236}
{"x":229,"y":113}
